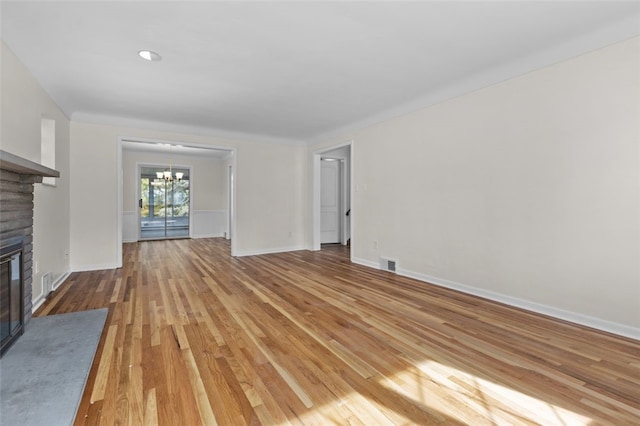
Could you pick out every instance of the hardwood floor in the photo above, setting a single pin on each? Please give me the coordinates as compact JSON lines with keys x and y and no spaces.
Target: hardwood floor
{"x":194,"y":337}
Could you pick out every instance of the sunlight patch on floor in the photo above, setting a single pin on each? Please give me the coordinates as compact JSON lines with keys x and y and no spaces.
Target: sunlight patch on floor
{"x":474,"y":400}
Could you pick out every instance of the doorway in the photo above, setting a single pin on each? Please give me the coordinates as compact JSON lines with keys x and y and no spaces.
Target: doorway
{"x":340,"y":184}
{"x":132,"y":153}
{"x":164,"y":203}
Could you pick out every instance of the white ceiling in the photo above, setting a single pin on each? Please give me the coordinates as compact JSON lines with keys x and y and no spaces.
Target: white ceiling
{"x":290,"y":70}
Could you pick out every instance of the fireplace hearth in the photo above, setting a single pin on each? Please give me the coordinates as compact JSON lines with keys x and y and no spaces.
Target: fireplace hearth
{"x":17,"y":178}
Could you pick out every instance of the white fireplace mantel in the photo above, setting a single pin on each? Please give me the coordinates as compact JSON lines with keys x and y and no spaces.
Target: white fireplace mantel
{"x":13,"y":163}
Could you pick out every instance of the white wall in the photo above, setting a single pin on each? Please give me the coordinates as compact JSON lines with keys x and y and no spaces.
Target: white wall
{"x":270,"y":192}
{"x":526,"y":191}
{"x":23,"y":105}
{"x":208,"y":191}
{"x":270,"y":196}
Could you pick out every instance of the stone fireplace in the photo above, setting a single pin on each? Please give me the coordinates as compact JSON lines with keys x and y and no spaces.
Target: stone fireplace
{"x":17,"y":178}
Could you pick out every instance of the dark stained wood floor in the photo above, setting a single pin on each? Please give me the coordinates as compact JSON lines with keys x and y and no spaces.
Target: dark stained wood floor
{"x":194,"y":337}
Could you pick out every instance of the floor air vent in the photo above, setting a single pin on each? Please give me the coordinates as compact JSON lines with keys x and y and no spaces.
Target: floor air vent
{"x":388,"y":264}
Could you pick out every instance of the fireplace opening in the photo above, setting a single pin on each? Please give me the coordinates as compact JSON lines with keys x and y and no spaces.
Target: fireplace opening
{"x":11,"y":293}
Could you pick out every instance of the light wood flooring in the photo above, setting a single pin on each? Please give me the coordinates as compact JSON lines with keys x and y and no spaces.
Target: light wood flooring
{"x":195,"y":337}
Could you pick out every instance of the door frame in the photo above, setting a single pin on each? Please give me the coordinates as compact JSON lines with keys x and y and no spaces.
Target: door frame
{"x":139,"y":167}
{"x":315,"y":202}
{"x":120,"y":190}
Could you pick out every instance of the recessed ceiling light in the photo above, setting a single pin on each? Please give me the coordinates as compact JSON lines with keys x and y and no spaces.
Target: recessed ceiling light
{"x":149,"y":55}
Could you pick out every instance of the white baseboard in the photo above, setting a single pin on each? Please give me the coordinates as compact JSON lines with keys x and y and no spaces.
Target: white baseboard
{"x":35,"y":305}
{"x":54,"y":286}
{"x":270,"y":251}
{"x":597,"y":323}
{"x":193,"y":236}
{"x":58,"y":282}
{"x":574,"y":317}
{"x":99,"y":267}
{"x":209,"y":236}
{"x":365,"y":262}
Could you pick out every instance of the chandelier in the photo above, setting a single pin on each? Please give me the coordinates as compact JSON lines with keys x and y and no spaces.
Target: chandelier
{"x":168,"y":175}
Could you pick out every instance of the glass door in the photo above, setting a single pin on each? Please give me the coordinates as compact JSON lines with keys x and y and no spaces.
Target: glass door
{"x":164,"y":203}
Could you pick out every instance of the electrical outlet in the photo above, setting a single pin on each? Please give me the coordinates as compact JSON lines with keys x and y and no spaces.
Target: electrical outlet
{"x":36,"y":266}
{"x":375,"y":244}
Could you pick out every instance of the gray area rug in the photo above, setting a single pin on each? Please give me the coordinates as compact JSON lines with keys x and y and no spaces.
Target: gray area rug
{"x":42,"y":376}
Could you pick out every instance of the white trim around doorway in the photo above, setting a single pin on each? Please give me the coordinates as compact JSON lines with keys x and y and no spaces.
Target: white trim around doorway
{"x":315,"y":203}
{"x":120,"y":195}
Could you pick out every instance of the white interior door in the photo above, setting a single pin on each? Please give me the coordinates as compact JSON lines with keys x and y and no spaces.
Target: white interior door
{"x":329,"y":201}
